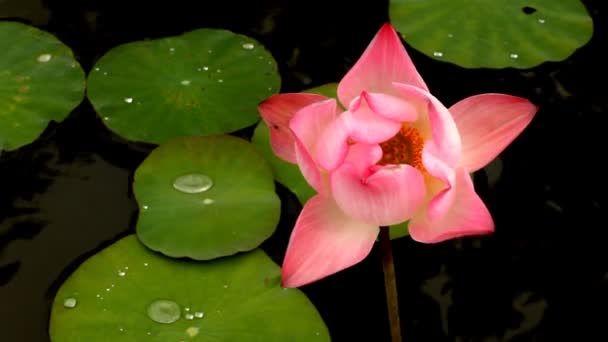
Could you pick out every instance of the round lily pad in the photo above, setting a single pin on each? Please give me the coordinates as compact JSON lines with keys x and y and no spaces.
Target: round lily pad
{"x":285,"y":173}
{"x":40,"y":81}
{"x":207,"y":81}
{"x":493,"y":33}
{"x":205,"y":197}
{"x":129,"y":293}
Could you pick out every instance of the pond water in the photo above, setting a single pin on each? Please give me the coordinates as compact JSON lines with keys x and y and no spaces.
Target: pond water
{"x":543,"y":275}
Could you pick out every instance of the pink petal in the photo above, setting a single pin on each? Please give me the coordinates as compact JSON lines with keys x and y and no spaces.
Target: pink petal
{"x":383,"y":62}
{"x":455,"y":212}
{"x":363,"y":157}
{"x":324,"y":139}
{"x":323,"y":242}
{"x":276,"y":111}
{"x":443,"y":129}
{"x":390,"y":107}
{"x":367,"y":126}
{"x":308,"y":167}
{"x":391,"y":195}
{"x":488,"y":123}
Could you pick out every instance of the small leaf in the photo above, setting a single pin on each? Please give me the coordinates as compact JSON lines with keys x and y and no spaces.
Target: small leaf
{"x":205,"y":197}
{"x":206,"y":81}
{"x":493,"y":33}
{"x":128,"y":293}
{"x":40,"y":82}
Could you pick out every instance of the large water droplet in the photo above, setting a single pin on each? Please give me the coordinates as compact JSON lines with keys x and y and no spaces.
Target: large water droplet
{"x":70,"y":303}
{"x":164,"y":311}
{"x":45,"y":57}
{"x":193,"y":183}
{"x":248,"y":46}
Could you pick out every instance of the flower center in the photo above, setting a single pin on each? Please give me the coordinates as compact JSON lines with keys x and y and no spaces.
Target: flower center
{"x":404,"y":148}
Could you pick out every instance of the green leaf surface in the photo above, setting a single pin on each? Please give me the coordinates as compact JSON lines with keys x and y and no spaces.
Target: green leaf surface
{"x":493,"y":33}
{"x":129,"y":293}
{"x":206,"y":81}
{"x":40,"y":81}
{"x":205,"y":197}
{"x":285,"y":173}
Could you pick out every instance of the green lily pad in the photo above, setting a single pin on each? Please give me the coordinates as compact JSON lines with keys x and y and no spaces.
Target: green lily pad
{"x":285,"y":173}
{"x":40,"y":81}
{"x":493,"y":33}
{"x":206,"y":81}
{"x":328,"y":89}
{"x":128,"y":293}
{"x":205,"y":197}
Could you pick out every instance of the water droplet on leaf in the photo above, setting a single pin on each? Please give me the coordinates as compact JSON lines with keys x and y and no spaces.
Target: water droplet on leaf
{"x":164,"y":311}
{"x":199,"y":314}
{"x":193,"y":183}
{"x":438,"y":54}
{"x":45,"y":57}
{"x":128,"y":99}
{"x":248,"y":46}
{"x":185,"y":82}
{"x":70,"y":303}
{"x":514,"y":56}
{"x":189,"y":316}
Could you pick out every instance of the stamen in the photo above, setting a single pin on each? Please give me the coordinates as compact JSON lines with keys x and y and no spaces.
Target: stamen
{"x":404,"y":148}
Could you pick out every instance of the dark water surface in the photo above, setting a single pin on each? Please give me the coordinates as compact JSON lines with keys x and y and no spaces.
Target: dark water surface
{"x":542,"y":276}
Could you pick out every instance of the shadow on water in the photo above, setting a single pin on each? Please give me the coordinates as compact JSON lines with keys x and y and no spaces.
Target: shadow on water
{"x":542,"y":276}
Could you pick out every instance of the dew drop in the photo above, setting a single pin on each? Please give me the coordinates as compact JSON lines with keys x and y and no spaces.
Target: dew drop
{"x":218,"y":70}
{"x":193,"y":183}
{"x":121,"y":329}
{"x":541,"y":20}
{"x":205,"y":68}
{"x":450,"y":35}
{"x":70,"y":303}
{"x":438,"y":54}
{"x":192,"y":331}
{"x":164,"y":311}
{"x":189,"y":316}
{"x":145,"y":207}
{"x":199,"y":314}
{"x":248,"y":46}
{"x":96,"y":68}
{"x":122,"y":273}
{"x":185,"y":82}
{"x":514,"y":56}
{"x":225,"y":286}
{"x":128,"y":99}
{"x":208,"y":201}
{"x":106,"y":118}
{"x":171,"y":50}
{"x":220,"y":81}
{"x":187,"y":308}
{"x":146,"y":264}
{"x":45,"y":57}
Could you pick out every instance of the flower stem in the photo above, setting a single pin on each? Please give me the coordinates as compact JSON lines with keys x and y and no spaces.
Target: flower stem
{"x":390,"y":284}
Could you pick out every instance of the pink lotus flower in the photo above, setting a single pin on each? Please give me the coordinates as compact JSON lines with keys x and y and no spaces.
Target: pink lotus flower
{"x":395,"y":154}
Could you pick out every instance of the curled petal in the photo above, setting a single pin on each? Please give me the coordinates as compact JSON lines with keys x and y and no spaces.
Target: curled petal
{"x":391,"y":195}
{"x":276,"y":111}
{"x":390,"y":107}
{"x":384,"y":61}
{"x":365,"y":125}
{"x":454,"y":212}
{"x":488,"y":123}
{"x":323,"y":242}
{"x":442,"y":126}
{"x":363,"y":157}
